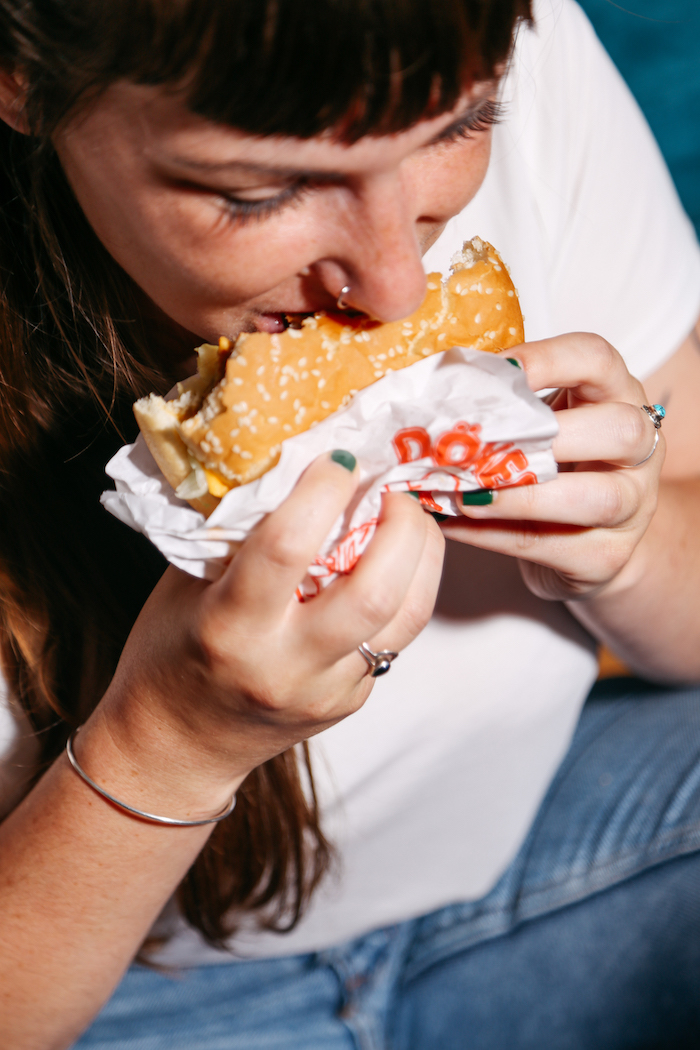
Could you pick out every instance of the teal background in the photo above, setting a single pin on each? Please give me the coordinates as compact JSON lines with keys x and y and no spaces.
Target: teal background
{"x":656,"y":46}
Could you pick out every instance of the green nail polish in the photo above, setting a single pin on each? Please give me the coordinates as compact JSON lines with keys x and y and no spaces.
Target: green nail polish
{"x":345,"y":459}
{"x":514,"y":361}
{"x":480,"y":498}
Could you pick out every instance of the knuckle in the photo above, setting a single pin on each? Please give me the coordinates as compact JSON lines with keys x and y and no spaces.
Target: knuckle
{"x":606,"y":356}
{"x":416,"y":614}
{"x":637,"y":429}
{"x":612,"y":502}
{"x":375,"y":608}
{"x":612,"y":556}
{"x":529,"y":498}
{"x":211,"y":643}
{"x":267,"y":698}
{"x":284,"y":548}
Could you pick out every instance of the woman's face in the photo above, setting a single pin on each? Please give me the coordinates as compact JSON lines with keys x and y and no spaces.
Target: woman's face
{"x":225,"y":231}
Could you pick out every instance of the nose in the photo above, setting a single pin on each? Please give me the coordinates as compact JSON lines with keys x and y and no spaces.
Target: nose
{"x":376,"y":252}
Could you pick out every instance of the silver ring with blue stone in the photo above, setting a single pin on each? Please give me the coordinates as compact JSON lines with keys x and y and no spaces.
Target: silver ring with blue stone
{"x":656,"y":413}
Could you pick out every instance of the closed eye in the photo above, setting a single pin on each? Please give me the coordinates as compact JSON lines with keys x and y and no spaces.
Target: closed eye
{"x":242,"y":210}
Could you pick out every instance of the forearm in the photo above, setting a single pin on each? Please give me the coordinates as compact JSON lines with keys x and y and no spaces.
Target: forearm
{"x":649,"y":615}
{"x":81,"y":883}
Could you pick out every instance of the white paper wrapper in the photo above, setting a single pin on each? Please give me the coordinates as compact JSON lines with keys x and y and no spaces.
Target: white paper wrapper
{"x":456,"y":422}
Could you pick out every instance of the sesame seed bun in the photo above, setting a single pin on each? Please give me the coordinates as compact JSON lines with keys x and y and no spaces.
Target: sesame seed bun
{"x":224,"y":431}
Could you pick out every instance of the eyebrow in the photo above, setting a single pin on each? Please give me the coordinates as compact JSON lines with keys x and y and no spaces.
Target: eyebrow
{"x":217,"y":167}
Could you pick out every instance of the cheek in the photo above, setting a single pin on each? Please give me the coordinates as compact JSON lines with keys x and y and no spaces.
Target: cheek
{"x":180,"y":248}
{"x":448,"y":178}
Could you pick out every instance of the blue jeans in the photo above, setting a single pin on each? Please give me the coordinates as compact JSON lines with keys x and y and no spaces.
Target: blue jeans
{"x":590,"y":940}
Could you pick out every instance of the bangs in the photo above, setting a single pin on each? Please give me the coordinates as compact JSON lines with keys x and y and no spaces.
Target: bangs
{"x":283,"y":67}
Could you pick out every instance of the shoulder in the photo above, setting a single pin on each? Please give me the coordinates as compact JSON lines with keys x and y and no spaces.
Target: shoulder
{"x":622,"y":256}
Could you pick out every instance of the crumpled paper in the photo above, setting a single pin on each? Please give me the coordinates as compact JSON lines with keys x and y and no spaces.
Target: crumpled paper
{"x":458,"y":421}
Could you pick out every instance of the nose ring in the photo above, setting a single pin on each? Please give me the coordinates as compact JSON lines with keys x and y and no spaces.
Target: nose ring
{"x":341,"y":303}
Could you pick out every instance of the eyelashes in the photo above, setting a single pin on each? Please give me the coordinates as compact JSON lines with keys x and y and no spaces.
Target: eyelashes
{"x":489,"y":113}
{"x":241,"y":211}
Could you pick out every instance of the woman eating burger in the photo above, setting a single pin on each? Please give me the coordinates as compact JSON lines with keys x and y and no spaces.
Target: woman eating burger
{"x":459,"y":855}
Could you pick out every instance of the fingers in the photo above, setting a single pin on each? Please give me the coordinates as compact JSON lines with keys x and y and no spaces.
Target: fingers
{"x":265,"y":574}
{"x":590,"y":556}
{"x":595,"y":499}
{"x":419,"y":601}
{"x":587,"y":365}
{"x":618,"y":433}
{"x":357,"y":607}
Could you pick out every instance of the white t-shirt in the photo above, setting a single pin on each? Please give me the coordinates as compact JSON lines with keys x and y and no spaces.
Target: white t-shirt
{"x":428,"y":791}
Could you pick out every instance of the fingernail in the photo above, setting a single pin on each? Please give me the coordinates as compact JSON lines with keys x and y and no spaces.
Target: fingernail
{"x":514,"y":361}
{"x":439,"y":517}
{"x":480,"y":498}
{"x":345,"y":459}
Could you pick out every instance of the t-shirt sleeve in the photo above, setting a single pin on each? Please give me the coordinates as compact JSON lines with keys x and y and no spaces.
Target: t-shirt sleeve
{"x":623,"y":255}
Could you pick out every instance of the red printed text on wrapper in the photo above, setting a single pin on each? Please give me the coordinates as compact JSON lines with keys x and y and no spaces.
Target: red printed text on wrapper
{"x":464,"y":462}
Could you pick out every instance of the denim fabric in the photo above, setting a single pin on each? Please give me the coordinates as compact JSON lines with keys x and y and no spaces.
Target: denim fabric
{"x":591,"y":939}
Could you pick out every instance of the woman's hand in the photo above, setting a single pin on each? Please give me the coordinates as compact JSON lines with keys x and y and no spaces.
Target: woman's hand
{"x":575,"y":534}
{"x":240,"y":669}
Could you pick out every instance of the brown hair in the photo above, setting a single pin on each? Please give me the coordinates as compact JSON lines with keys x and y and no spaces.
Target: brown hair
{"x":74,"y":345}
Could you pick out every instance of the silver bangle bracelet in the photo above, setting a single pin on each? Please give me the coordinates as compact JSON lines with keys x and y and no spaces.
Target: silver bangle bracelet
{"x":151,"y":817}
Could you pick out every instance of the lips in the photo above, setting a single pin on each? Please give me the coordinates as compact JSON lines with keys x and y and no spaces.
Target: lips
{"x":277,"y":322}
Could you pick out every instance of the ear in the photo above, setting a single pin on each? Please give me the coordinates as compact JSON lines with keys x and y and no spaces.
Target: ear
{"x":12,"y":97}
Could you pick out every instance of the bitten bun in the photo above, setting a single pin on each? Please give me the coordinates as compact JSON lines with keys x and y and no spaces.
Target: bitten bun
{"x":228,"y":423}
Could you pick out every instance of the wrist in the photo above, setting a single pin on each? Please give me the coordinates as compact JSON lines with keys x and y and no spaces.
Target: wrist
{"x":136,"y":753}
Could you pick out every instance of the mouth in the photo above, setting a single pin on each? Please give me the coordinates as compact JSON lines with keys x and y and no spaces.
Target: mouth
{"x":271,"y":322}
{"x":279,"y":321}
